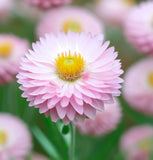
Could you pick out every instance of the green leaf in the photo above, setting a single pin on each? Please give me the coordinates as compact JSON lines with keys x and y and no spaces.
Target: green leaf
{"x":28,"y":158}
{"x":8,"y":98}
{"x":119,"y":156}
{"x":28,"y":114}
{"x":45,"y":143}
{"x":56,"y":137}
{"x":19,"y":26}
{"x":137,"y":117}
{"x":98,"y":148}
{"x":105,"y":146}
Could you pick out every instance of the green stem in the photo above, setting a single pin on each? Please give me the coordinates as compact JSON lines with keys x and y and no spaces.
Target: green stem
{"x":72,"y":144}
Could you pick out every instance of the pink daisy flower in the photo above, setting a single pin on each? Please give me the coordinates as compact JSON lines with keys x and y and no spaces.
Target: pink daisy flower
{"x":36,"y":156}
{"x":113,"y":11}
{"x":45,"y":4}
{"x":138,"y":86}
{"x":11,"y":49}
{"x":102,"y":124}
{"x":136,"y":143}
{"x":5,"y":8}
{"x":138,"y":27}
{"x":76,"y":19}
{"x":15,"y":139}
{"x":70,"y":76}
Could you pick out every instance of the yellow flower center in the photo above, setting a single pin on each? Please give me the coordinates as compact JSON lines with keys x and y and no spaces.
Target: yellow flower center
{"x":3,"y":137}
{"x":146,"y":144}
{"x":72,"y":25}
{"x":150,"y":78}
{"x":69,"y":67}
{"x":129,"y":2}
{"x":5,"y":49}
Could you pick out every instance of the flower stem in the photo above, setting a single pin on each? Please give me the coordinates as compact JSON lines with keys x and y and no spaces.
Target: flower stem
{"x":72,"y":143}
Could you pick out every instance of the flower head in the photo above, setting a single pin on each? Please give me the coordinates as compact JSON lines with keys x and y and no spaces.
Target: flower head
{"x":104,"y":122}
{"x":137,"y":143}
{"x":76,"y":19}
{"x":11,"y":50}
{"x":15,"y":139}
{"x":113,"y":11}
{"x":138,"y":86}
{"x":70,"y":76}
{"x":45,"y":4}
{"x":139,"y":27}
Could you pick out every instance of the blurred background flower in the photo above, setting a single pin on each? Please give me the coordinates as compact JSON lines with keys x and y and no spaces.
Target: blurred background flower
{"x":138,"y":86}
{"x":15,"y":138}
{"x":47,"y":3}
{"x":76,"y":19}
{"x":137,"y":143}
{"x":113,"y":11}
{"x":102,"y":124}
{"x":138,"y":27}
{"x":27,"y":11}
{"x":12,"y":49}
{"x":5,"y":9}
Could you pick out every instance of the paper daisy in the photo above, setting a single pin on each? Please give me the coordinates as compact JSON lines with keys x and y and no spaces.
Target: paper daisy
{"x":137,"y":142}
{"x":15,"y":139}
{"x":45,"y":4}
{"x":113,"y":11}
{"x":76,"y":19}
{"x":104,"y":122}
{"x":138,"y":86}
{"x":11,"y":50}
{"x":139,"y":27}
{"x":70,"y":76}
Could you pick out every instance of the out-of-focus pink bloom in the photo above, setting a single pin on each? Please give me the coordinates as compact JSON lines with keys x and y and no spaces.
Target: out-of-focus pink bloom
{"x":11,"y":50}
{"x":136,"y":143}
{"x":27,"y":11}
{"x":138,"y":86}
{"x":113,"y":11}
{"x":5,"y":8}
{"x":139,"y":27}
{"x":36,"y":156}
{"x":76,"y":19}
{"x":45,"y":4}
{"x":104,"y":122}
{"x":15,"y":139}
{"x":70,"y":76}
